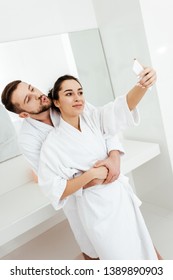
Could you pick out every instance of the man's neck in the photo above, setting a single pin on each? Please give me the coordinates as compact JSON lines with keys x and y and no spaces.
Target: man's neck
{"x":43,"y":117}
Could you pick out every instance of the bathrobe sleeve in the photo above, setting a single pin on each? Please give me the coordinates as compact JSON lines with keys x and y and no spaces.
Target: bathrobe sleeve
{"x":51,"y":184}
{"x":114,"y":117}
{"x":30,"y":146}
{"x":113,"y":143}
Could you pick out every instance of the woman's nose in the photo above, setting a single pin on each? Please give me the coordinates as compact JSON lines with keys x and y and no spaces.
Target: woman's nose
{"x":77,"y":97}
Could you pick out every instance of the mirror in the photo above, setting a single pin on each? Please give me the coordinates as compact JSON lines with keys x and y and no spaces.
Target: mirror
{"x":8,"y":138}
{"x":40,"y":61}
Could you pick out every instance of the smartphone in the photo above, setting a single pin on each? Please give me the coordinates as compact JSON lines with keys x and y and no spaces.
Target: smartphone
{"x":137,"y":67}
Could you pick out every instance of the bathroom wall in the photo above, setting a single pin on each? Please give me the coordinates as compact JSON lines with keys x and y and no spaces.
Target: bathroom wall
{"x":160,"y":44}
{"x":28,"y":19}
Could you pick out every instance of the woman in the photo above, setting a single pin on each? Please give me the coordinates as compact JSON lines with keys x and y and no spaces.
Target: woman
{"x":109,"y":213}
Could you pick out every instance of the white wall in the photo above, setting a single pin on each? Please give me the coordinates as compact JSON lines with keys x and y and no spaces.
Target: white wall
{"x":160,"y":43}
{"x":123,"y":35}
{"x":38,"y":61}
{"x":21,"y":19}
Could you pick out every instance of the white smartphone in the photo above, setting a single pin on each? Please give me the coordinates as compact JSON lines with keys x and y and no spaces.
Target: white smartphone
{"x":137,"y":67}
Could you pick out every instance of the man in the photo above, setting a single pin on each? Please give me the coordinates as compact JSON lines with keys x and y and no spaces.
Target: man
{"x":31,"y":104}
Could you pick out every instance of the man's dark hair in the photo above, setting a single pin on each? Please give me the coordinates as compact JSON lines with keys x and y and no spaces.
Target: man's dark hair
{"x":7,"y":96}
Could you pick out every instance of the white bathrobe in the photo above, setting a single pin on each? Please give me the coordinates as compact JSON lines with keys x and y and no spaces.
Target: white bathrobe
{"x":32,"y":135}
{"x":109,"y":213}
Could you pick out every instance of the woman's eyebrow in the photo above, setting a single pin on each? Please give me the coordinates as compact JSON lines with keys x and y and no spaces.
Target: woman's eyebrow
{"x":69,"y":89}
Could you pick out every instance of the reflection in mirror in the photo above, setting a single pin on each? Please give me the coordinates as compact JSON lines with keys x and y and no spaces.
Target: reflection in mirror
{"x":92,"y":66}
{"x":41,"y":61}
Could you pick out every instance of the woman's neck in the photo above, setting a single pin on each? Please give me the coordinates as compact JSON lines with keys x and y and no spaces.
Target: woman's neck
{"x":73,"y":121}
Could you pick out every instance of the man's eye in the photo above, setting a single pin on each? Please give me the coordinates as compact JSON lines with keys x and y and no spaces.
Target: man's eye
{"x":68,"y":94}
{"x":81,"y":92}
{"x":28,"y":99}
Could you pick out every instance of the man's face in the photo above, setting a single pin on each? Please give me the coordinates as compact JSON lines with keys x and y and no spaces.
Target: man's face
{"x":30,"y":99}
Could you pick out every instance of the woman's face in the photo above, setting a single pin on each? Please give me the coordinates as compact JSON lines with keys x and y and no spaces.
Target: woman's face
{"x":71,"y":100}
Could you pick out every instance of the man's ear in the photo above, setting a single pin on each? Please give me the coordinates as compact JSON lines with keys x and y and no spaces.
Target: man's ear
{"x":24,"y":115}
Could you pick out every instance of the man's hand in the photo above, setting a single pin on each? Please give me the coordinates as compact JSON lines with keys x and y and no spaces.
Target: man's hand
{"x":112,"y":163}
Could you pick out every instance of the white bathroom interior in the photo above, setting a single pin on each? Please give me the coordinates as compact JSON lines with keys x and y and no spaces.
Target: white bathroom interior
{"x":95,"y":40}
